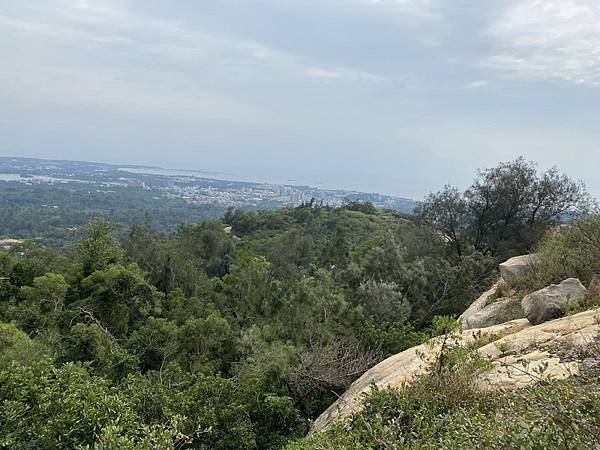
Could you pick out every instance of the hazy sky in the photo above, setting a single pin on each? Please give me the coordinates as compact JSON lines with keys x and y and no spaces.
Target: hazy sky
{"x":393,"y":96}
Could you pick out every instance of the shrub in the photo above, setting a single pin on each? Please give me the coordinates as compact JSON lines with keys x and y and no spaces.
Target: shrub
{"x":45,"y":407}
{"x":448,"y":412}
{"x":16,"y":346}
{"x":572,"y":251}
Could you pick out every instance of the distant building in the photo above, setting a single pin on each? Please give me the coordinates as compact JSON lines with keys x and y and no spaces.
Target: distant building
{"x":7,"y":244}
{"x":297,"y":197}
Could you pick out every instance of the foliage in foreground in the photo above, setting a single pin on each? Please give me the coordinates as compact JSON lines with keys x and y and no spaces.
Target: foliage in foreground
{"x":208,"y":339}
{"x":445,"y":410}
{"x":572,"y":251}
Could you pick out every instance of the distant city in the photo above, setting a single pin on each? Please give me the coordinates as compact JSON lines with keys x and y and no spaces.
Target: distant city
{"x":188,"y":187}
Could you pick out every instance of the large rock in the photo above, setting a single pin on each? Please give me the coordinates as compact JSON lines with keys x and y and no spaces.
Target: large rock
{"x":515,"y":268}
{"x":484,"y":299}
{"x":517,"y":351}
{"x":491,"y":308}
{"x":552,"y":301}
{"x":497,"y":305}
{"x":499,"y":311}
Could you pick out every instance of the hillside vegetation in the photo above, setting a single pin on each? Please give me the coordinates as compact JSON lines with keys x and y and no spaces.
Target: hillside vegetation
{"x":237,"y":333}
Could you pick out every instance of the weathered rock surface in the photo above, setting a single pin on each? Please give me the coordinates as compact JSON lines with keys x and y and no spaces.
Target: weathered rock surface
{"x":510,"y":345}
{"x":485,"y":299}
{"x":500,"y":311}
{"x":515,"y":268}
{"x":552,"y":301}
{"x":489,"y":309}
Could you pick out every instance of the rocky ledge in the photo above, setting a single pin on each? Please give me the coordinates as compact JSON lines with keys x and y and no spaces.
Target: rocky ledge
{"x":518,"y":350}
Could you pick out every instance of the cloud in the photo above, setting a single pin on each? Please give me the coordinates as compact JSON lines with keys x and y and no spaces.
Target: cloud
{"x":322,"y":73}
{"x":342,"y":74}
{"x":122,"y":91}
{"x":78,"y":53}
{"x":422,"y":9}
{"x":477,"y":84}
{"x":117,"y":24}
{"x":549,"y":39}
{"x":111,"y":22}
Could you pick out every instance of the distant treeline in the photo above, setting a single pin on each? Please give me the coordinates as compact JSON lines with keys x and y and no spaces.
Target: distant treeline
{"x":49,"y":213}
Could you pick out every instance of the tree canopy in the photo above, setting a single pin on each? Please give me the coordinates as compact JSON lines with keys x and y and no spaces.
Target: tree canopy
{"x":506,"y":210}
{"x":236,"y":333}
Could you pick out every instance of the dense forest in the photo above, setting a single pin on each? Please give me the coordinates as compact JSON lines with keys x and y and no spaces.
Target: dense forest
{"x":237,"y":332}
{"x":48,"y":213}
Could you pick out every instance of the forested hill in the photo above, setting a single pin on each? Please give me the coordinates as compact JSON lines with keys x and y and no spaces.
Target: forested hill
{"x":237,"y":332}
{"x":232,"y":337}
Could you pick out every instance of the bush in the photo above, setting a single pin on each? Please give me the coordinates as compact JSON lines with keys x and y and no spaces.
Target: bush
{"x":45,"y":407}
{"x":444,"y":408}
{"x":572,"y":251}
{"x":434,"y":415}
{"x":17,"y":347}
{"x":215,"y":415}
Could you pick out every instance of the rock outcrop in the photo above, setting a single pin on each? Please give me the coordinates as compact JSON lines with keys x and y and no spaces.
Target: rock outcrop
{"x":485,"y":299}
{"x":497,"y":312}
{"x":515,"y":349}
{"x":500,"y":303}
{"x":7,"y":244}
{"x":491,"y":309}
{"x":552,"y":301}
{"x":515,"y":268}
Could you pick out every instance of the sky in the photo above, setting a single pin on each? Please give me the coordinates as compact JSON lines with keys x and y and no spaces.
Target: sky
{"x":391,"y":96}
